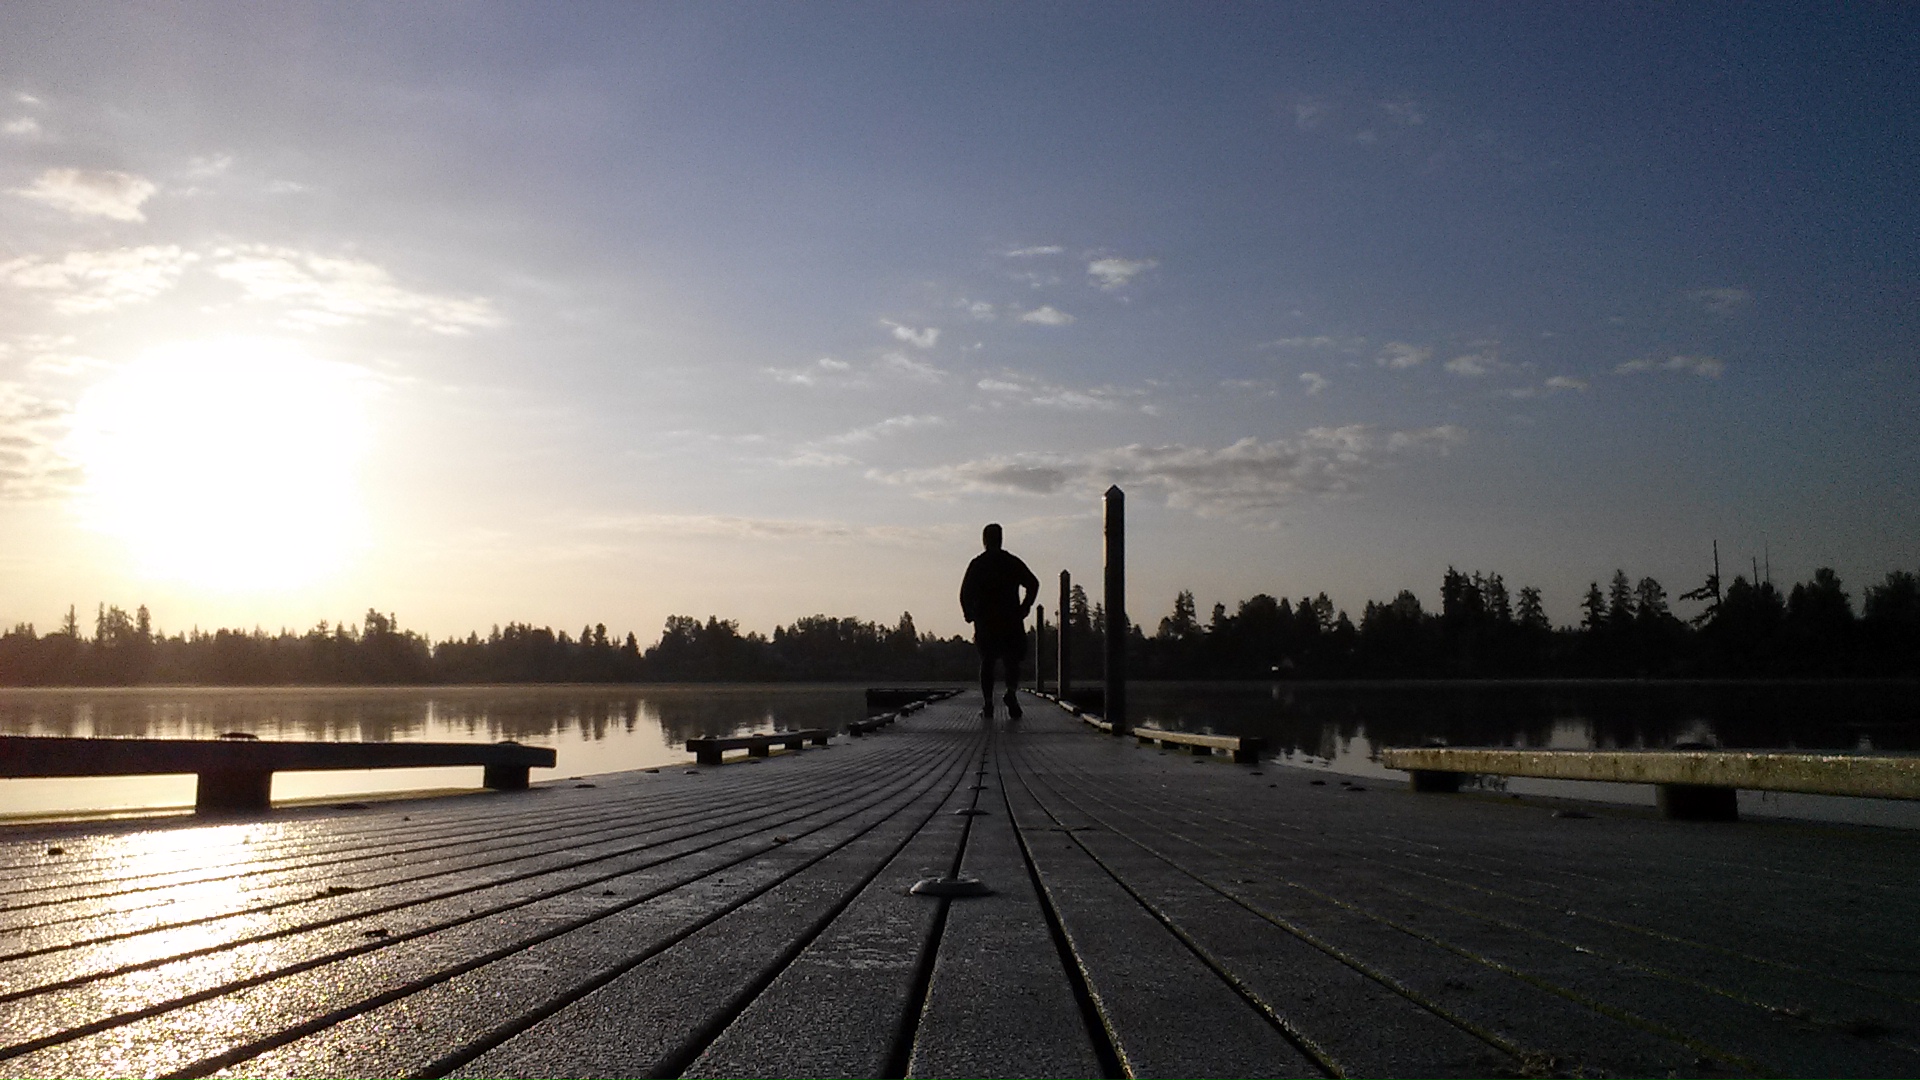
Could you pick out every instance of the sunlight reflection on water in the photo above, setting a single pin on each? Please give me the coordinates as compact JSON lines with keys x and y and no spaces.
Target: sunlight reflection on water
{"x":593,"y":729}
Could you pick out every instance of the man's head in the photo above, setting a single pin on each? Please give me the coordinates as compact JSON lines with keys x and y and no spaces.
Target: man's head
{"x":990,"y":537}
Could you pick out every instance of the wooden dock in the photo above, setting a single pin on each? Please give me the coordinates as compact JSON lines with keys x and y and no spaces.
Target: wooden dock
{"x":1151,"y":913}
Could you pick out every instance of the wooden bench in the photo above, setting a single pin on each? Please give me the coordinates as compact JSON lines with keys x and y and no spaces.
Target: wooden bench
{"x":707,"y":749}
{"x":1693,"y":784}
{"x":875,"y":723}
{"x":1245,"y":749}
{"x":887,"y":697}
{"x":236,"y":774}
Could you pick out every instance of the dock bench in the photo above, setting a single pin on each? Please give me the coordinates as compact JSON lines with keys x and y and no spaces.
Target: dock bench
{"x":236,"y":775}
{"x":1245,"y":749}
{"x":707,"y":749}
{"x":1693,"y":784}
{"x":874,"y":723}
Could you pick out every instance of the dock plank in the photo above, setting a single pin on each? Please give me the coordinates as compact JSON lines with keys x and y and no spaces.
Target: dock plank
{"x":1222,"y":919}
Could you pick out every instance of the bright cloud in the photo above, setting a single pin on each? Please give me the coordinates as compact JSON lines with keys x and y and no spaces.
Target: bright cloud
{"x":922,"y":339}
{"x":25,"y":127}
{"x":1707,"y":367}
{"x":319,"y":290}
{"x":1399,"y":355}
{"x":1030,"y":252}
{"x":1113,"y":272}
{"x":1047,"y":315}
{"x":1314,"y":382}
{"x":1249,"y":478}
{"x":92,"y":193}
{"x":83,"y":282}
{"x":1566,"y":382}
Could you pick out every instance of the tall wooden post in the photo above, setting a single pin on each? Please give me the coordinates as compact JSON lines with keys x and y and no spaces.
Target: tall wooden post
{"x":1040,"y":648}
{"x":1116,"y":604}
{"x":1063,"y":673}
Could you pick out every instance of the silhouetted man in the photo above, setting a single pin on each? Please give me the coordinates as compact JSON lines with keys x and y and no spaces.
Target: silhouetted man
{"x":995,"y":596}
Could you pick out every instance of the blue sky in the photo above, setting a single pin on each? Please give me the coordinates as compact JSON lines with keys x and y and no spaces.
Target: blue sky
{"x":610,"y":312}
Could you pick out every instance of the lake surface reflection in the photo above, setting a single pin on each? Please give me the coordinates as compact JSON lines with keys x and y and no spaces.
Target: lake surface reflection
{"x":593,"y":729}
{"x":1341,"y":726}
{"x":1336,"y":726}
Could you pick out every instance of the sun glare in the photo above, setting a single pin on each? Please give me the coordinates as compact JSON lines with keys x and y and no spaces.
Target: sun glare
{"x":231,"y":465}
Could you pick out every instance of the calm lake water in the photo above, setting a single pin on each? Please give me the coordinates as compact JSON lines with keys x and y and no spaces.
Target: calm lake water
{"x":1334,"y":726}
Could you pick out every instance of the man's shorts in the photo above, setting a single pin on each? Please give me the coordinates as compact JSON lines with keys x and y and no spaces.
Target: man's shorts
{"x":1000,"y":640}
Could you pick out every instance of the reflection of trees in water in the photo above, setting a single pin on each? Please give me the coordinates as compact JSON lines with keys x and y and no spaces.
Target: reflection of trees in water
{"x":1320,"y":718}
{"x":527,"y":714}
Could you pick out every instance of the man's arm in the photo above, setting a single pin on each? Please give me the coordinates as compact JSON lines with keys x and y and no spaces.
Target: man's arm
{"x":1029,"y":585}
{"x":969,"y":589}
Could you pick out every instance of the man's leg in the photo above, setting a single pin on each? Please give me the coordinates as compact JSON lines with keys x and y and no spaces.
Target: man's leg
{"x":986,"y":684}
{"x":1012,"y":665}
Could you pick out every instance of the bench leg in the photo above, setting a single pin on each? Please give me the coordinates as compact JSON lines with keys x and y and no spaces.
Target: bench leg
{"x":760,"y":750}
{"x":1203,"y":751}
{"x":1430,"y":780}
{"x":505,"y":777}
{"x":233,"y":791}
{"x":707,"y":757}
{"x":1697,"y":802}
{"x":821,"y":740}
{"x":1246,"y":755}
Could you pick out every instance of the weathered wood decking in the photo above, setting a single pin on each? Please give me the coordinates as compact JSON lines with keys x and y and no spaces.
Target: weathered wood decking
{"x":1152,"y":913}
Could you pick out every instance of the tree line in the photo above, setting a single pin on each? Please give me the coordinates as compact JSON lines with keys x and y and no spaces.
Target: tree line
{"x":1482,"y":630}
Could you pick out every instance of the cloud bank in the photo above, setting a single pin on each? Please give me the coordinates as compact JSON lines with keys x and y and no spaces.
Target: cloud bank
{"x":1247,"y":479}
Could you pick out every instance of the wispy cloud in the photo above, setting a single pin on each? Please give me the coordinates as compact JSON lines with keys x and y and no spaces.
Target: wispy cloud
{"x":1047,"y":315}
{"x":1034,"y":252}
{"x":1114,"y":272}
{"x":1247,"y":479}
{"x":1475,"y":365}
{"x":978,"y":309}
{"x":1707,"y":367}
{"x":725,"y":526}
{"x":1314,"y":382}
{"x":1558,"y":384}
{"x":1409,"y":113}
{"x":920,"y":339}
{"x":32,"y":427}
{"x":24,"y":127}
{"x":811,"y":374}
{"x":1030,"y":391}
{"x":1317,"y":341}
{"x":1723,"y":300}
{"x":1399,"y":355}
{"x":85,"y":282}
{"x":92,"y":193}
{"x":912,"y":368}
{"x":319,"y":290}
{"x":1311,"y":113}
{"x":892,"y":425}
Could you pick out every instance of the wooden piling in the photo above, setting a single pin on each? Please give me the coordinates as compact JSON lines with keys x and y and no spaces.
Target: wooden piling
{"x":1116,"y":607}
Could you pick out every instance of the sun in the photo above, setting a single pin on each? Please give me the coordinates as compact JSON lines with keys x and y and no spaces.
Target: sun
{"x":231,"y":464}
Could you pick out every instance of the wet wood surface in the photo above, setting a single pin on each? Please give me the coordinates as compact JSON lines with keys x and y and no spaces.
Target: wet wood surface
{"x":1149,"y":913}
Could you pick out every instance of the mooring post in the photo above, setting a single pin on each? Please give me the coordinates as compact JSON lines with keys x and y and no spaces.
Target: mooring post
{"x":1116,"y":604}
{"x":1040,"y":648}
{"x":1062,"y":680}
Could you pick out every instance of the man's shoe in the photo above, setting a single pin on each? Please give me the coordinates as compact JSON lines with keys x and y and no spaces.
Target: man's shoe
{"x":1013,"y":705}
